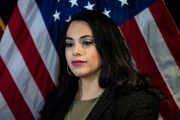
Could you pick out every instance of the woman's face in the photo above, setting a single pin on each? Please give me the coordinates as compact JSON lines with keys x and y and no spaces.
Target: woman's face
{"x":81,"y":54}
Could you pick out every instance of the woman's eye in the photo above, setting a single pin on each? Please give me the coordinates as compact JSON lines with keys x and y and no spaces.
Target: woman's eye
{"x":69,"y":44}
{"x":87,"y":43}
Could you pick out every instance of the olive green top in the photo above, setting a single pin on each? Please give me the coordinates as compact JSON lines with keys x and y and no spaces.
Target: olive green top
{"x":80,"y":109}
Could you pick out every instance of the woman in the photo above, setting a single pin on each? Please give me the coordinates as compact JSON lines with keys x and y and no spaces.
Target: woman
{"x":98,"y":80}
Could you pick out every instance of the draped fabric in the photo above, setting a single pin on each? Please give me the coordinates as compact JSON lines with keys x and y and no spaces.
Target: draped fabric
{"x":29,"y":48}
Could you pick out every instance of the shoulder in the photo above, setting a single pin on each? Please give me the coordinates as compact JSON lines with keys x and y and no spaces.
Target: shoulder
{"x":138,"y":98}
{"x":137,"y":92}
{"x":137,"y":95}
{"x":137,"y":104}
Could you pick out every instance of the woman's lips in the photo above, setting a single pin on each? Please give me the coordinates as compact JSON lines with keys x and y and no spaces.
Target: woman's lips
{"x":78,"y":62}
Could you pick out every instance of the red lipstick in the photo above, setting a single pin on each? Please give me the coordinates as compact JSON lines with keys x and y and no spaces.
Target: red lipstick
{"x":78,"y":62}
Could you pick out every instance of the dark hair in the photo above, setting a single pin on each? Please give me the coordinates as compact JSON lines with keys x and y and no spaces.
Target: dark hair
{"x":117,"y":68}
{"x":117,"y":65}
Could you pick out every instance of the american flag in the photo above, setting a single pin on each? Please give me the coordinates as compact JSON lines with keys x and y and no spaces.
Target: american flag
{"x":29,"y":50}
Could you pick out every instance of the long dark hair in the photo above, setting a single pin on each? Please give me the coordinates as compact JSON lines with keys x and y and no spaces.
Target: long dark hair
{"x":117,"y":65}
{"x":117,"y":68}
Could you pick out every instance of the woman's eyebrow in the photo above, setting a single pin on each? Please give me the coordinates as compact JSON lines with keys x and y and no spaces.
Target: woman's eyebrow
{"x":69,"y":38}
{"x":85,"y":36}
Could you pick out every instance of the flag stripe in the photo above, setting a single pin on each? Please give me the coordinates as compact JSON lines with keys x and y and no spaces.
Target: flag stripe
{"x":40,"y":36}
{"x":160,"y":117}
{"x":164,"y":60}
{"x":29,"y":47}
{"x":29,"y":53}
{"x":27,"y":86}
{"x":160,"y":53}
{"x":145,"y":62}
{"x":168,"y":28}
{"x":13,"y":97}
{"x":5,"y":112}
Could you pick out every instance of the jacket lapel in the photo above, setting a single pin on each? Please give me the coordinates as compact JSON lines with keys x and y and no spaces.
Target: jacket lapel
{"x":103,"y":103}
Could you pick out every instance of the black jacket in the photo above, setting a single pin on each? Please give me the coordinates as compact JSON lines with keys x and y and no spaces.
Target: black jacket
{"x":121,"y":104}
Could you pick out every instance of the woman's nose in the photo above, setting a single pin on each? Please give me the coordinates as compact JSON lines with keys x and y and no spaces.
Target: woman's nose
{"x":77,"y":50}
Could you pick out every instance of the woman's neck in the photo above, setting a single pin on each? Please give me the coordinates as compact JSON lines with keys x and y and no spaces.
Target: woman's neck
{"x":89,"y":88}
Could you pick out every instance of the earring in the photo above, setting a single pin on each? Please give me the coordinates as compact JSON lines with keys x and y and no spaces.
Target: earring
{"x":69,"y":71}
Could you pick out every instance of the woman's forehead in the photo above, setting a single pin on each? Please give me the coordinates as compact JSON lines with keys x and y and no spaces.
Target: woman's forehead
{"x":78,"y":28}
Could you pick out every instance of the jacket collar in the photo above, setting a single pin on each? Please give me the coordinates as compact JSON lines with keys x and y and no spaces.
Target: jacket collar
{"x":105,"y":100}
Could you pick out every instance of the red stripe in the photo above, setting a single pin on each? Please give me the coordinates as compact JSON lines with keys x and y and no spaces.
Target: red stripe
{"x":12,"y":95}
{"x":30,"y":54}
{"x":167,"y":28}
{"x":146,"y":64}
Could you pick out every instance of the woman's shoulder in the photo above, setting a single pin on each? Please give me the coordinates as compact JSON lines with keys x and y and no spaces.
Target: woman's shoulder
{"x":137,"y":92}
{"x":139,"y":102}
{"x":138,"y":96}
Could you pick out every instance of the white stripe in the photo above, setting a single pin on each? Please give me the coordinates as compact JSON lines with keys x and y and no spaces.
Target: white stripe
{"x":160,"y":117}
{"x":160,"y":53}
{"x":5,"y":112}
{"x":35,"y":23}
{"x":20,"y":73}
